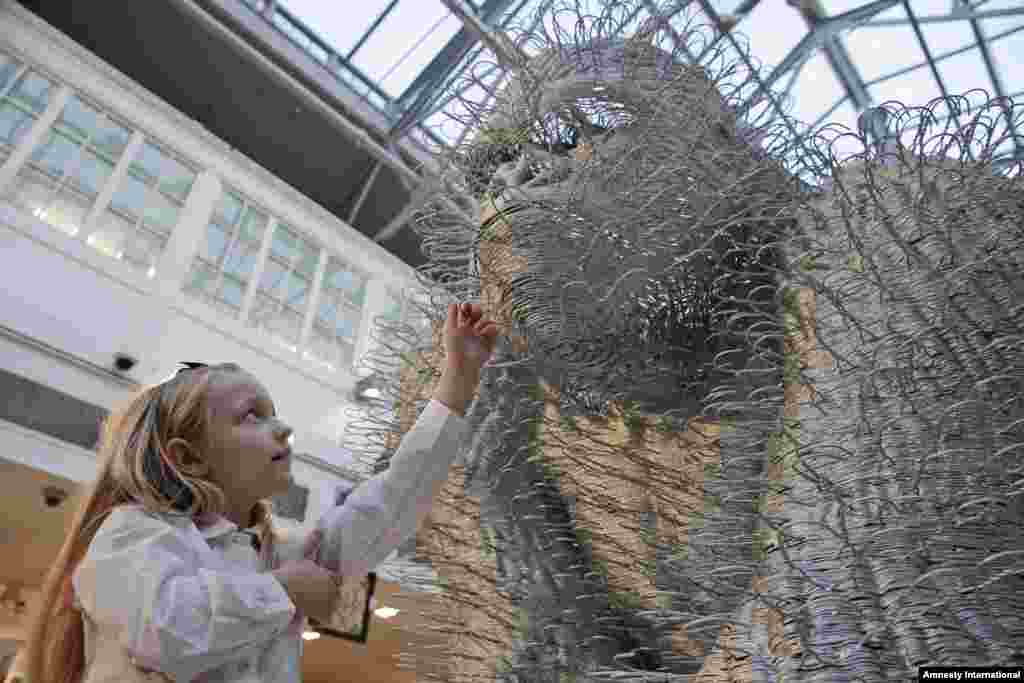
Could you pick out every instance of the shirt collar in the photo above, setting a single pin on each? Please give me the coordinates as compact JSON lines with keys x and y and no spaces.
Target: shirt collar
{"x":216,"y":526}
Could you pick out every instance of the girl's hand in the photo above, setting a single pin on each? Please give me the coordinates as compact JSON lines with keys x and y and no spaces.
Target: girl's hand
{"x":469,"y":341}
{"x":312,"y":589}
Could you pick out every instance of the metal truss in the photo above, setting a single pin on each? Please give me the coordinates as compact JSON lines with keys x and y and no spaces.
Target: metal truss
{"x":485,"y":23}
{"x":825,"y":34}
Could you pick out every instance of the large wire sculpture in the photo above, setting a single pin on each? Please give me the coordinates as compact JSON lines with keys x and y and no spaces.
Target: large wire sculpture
{"x":777,"y":383}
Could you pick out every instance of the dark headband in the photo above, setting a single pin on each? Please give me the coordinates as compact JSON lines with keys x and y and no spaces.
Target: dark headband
{"x":190,"y":366}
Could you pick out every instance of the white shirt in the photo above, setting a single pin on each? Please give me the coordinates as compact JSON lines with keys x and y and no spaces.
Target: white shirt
{"x":163,"y":600}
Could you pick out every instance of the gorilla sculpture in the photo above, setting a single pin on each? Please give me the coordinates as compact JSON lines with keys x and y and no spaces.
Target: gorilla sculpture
{"x":657,"y":247}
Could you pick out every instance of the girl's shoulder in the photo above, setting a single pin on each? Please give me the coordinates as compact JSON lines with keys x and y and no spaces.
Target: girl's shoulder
{"x":135,"y":519}
{"x":136,"y":512}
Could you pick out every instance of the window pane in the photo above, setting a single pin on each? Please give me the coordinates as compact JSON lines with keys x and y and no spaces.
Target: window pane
{"x":202,"y":278}
{"x":309,"y":257}
{"x":358,"y":296}
{"x":337,"y":276}
{"x":148,"y":163}
{"x":285,"y":244}
{"x":344,"y":328}
{"x":296,"y":289}
{"x":176,"y":179}
{"x":162,"y":212}
{"x":232,"y":291}
{"x":93,"y":173}
{"x":241,"y":261}
{"x":131,"y":196}
{"x":216,"y":243}
{"x":56,"y":153}
{"x":340,"y":277}
{"x":327,"y":313}
{"x":79,"y":120}
{"x":111,"y":140}
{"x":393,"y":310}
{"x":253,"y":226}
{"x":14,"y":123}
{"x":8,"y":68}
{"x":228,"y":209}
{"x":272,"y":276}
{"x":32,"y":91}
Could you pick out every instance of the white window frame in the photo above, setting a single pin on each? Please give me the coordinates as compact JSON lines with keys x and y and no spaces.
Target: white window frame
{"x":103,"y":203}
{"x":59,"y":184}
{"x":24,"y":68}
{"x":344,"y":303}
{"x":253,"y":282}
{"x":265,"y":256}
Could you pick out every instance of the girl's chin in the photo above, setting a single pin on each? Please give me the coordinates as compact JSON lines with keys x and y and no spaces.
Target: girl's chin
{"x":283,"y":484}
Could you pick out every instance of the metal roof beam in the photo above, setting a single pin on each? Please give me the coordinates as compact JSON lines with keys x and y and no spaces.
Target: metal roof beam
{"x":499,"y":44}
{"x":997,"y":81}
{"x":764,"y":90}
{"x":821,"y":31}
{"x":845,"y":70}
{"x":915,"y":24}
{"x":429,"y":84}
{"x":373,"y":27}
{"x":847,"y":73}
{"x":447,"y":95}
{"x":958,"y":15}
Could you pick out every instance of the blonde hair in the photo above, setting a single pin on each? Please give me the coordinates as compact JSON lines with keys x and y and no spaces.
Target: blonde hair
{"x":134,"y":469}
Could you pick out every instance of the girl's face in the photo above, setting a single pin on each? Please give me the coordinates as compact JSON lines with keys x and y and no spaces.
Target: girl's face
{"x":247,"y":448}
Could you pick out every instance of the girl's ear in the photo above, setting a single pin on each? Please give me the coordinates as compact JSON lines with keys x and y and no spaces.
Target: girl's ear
{"x":187,"y":458}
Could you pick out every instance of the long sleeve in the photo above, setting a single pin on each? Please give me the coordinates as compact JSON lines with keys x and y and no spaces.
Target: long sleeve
{"x":141,"y":577}
{"x":386,"y":510}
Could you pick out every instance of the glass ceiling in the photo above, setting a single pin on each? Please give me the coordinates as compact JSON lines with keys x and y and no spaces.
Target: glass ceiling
{"x":402,"y":55}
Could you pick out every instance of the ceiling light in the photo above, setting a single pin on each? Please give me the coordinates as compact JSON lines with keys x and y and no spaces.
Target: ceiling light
{"x":385,"y":612}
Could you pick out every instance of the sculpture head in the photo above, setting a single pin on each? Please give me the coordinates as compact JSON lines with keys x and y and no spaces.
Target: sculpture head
{"x":620,"y":196}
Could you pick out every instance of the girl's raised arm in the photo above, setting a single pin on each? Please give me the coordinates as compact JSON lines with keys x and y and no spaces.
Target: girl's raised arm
{"x":386,"y":511}
{"x":141,"y":578}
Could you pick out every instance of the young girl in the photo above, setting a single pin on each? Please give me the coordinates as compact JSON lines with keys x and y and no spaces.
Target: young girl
{"x":171,"y":571}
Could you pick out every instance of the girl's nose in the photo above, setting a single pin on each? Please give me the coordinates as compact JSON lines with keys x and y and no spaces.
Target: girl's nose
{"x":283,"y":430}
